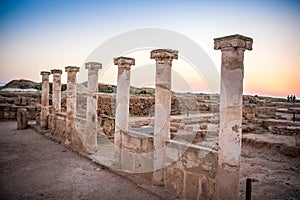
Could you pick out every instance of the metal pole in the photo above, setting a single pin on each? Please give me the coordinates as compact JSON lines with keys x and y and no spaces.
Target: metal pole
{"x":248,"y":188}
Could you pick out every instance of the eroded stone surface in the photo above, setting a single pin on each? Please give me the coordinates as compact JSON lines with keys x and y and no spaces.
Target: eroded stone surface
{"x":71,"y":104}
{"x":56,"y":95}
{"x":163,"y":96}
{"x":230,"y":136}
{"x":90,"y":136}
{"x":22,"y":119}
{"x":122,"y":99}
{"x":45,"y":99}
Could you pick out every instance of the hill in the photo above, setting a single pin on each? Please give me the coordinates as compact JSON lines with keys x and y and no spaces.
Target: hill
{"x":22,"y":84}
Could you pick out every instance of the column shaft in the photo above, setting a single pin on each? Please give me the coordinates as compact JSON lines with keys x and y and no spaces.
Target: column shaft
{"x":71,"y":101}
{"x":163,"y":95}
{"x":230,"y":136}
{"x":90,"y":139}
{"x":122,"y":97}
{"x":56,"y":95}
{"x":44,"y":99}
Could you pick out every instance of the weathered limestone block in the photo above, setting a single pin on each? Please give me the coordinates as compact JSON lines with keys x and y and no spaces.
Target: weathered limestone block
{"x":20,"y":101}
{"x":137,"y":153}
{"x":49,"y":122}
{"x":61,"y":127}
{"x":192,"y":174}
{"x":200,"y":161}
{"x":147,"y":144}
{"x":127,"y":161}
{"x":22,"y":120}
{"x":17,"y":101}
{"x":230,"y":137}
{"x":137,"y":142}
{"x":175,"y":178}
{"x":130,"y":142}
{"x":143,"y":165}
{"x":191,"y":186}
{"x":24,"y":101}
{"x":108,"y":125}
{"x":207,"y":188}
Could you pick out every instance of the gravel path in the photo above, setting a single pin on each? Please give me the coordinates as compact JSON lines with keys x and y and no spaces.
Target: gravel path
{"x":33,"y":167}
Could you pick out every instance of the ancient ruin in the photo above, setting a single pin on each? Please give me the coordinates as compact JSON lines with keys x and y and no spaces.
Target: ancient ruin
{"x":189,"y":144}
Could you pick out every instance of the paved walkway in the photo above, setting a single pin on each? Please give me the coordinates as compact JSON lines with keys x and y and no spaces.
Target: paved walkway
{"x":34,"y":167}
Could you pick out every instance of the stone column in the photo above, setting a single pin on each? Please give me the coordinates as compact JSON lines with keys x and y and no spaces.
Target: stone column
{"x":163,"y":96}
{"x":71,"y":101}
{"x":45,"y":99}
{"x":230,"y":135}
{"x":91,"y":108}
{"x":122,"y":97}
{"x":56,"y":95}
{"x":22,"y":119}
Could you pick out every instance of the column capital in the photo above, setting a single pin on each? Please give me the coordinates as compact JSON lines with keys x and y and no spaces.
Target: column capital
{"x":45,"y":73}
{"x":120,"y":61}
{"x":93,"y":65}
{"x":56,"y":71}
{"x":71,"y":69}
{"x":233,"y":42}
{"x":164,"y":53}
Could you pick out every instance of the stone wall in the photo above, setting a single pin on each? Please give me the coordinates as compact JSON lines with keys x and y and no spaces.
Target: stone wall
{"x":9,"y":112}
{"x":10,"y":102}
{"x":137,"y":153}
{"x":191,"y":170}
{"x":143,"y":105}
{"x":285,"y":130}
{"x":140,"y":105}
{"x":106,"y":104}
{"x":252,"y":110}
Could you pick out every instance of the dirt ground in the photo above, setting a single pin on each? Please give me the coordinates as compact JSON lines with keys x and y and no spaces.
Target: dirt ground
{"x":33,"y":167}
{"x":275,"y":176}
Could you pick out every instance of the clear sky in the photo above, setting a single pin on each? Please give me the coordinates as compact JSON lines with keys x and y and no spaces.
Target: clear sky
{"x":38,"y":35}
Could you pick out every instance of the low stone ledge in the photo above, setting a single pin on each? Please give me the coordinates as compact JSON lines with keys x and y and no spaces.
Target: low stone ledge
{"x":285,"y":130}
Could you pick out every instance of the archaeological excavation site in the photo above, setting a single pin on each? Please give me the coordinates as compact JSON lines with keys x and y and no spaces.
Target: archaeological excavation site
{"x":188,"y":145}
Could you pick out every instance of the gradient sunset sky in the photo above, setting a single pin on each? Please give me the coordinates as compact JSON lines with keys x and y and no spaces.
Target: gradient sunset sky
{"x":38,"y":35}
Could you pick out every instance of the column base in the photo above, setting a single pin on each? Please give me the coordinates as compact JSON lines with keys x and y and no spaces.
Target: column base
{"x":228,"y":184}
